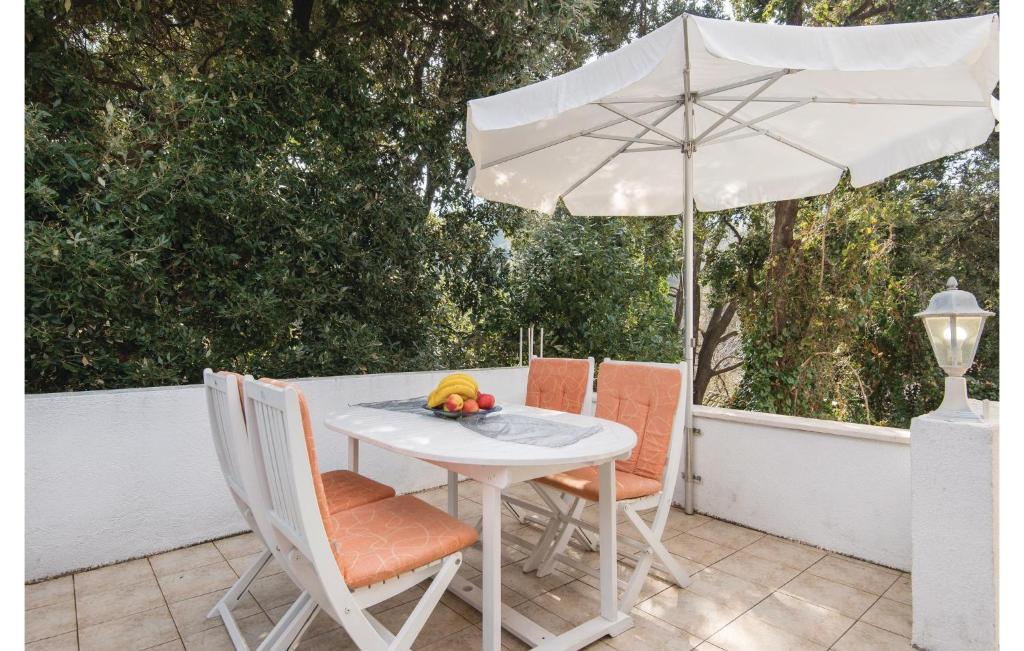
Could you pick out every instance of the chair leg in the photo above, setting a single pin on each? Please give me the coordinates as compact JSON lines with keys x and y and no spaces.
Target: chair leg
{"x":293,"y":624}
{"x":237,"y":591}
{"x":418,"y":617}
{"x":563,"y":537}
{"x":551,"y":529}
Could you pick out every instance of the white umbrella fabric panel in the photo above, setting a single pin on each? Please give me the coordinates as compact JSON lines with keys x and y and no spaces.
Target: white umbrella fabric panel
{"x":779,"y":112}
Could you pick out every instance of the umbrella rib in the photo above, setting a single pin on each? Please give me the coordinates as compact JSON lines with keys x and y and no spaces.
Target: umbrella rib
{"x":856,"y":100}
{"x":620,"y":150}
{"x":636,"y":120}
{"x":778,"y":138}
{"x":643,"y":141}
{"x":760,"y":89}
{"x":760,"y":118}
{"x":746,"y":82}
{"x":576,"y":134}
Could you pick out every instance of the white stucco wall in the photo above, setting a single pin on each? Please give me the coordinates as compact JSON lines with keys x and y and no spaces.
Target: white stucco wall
{"x":111,"y":475}
{"x":956,"y":534}
{"x":841,"y":486}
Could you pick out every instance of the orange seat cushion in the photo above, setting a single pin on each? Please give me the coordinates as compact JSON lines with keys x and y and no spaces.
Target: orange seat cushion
{"x":584,"y":482}
{"x":347,"y":490}
{"x":559,"y":384}
{"x":645,"y":399}
{"x":381,"y":540}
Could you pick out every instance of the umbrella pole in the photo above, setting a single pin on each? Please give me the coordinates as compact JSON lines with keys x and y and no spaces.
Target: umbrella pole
{"x":688,"y":339}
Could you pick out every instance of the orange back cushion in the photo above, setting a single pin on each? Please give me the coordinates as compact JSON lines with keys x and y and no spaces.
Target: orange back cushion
{"x":307,"y":429}
{"x":645,"y":399}
{"x":559,"y":384}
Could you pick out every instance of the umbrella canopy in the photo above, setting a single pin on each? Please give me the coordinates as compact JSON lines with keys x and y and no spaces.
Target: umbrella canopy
{"x":778,"y":112}
{"x":723,"y":114}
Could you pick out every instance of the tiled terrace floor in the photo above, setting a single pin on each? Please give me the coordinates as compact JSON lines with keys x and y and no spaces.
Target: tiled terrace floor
{"x":750,"y":592}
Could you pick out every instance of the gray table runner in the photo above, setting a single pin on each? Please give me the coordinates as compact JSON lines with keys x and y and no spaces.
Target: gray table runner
{"x":510,"y":428}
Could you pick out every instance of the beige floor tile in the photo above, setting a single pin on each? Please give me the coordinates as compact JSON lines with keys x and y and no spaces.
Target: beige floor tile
{"x":857,"y":574}
{"x":841,"y":598}
{"x":336,"y":640}
{"x":727,"y":589}
{"x":652,"y":634}
{"x":697,"y":549}
{"x":865,"y":637}
{"x":802,"y":618}
{"x":273,"y":591}
{"x":698,"y":615}
{"x":198,"y":580}
{"x":242,"y":545}
{"x":748,"y":633}
{"x":436,"y":496}
{"x":98,"y":607}
{"x":542,"y":617}
{"x":254,"y":628}
{"x":771,"y":574}
{"x":510,"y":596}
{"x":190,"y":614}
{"x":468,"y":639}
{"x":469,"y":511}
{"x":783,"y":551}
{"x":707,"y":646}
{"x":651,"y":587}
{"x":891,"y":615}
{"x":47,"y":593}
{"x":473,"y":556}
{"x":412,"y":594}
{"x":49,"y":621}
{"x":574,"y":602}
{"x":64,"y":642}
{"x":138,"y":631}
{"x":469,"y":489}
{"x":112,"y":576}
{"x":678,"y":521}
{"x":174,"y":645}
{"x":242,"y":564}
{"x":188,"y":558}
{"x":322,"y":623}
{"x":901,"y":591}
{"x":442,"y":622}
{"x":725,"y":534}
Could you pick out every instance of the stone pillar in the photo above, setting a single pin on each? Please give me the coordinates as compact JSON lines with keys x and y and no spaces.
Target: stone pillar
{"x":955,"y":533}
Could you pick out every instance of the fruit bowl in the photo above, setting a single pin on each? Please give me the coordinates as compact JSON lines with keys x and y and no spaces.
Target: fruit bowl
{"x":440,"y":412}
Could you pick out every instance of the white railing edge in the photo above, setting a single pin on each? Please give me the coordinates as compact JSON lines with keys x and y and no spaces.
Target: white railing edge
{"x":810,"y":425}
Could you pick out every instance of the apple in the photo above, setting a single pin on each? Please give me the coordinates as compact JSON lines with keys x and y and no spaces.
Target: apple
{"x":485,"y":401}
{"x":454,"y":403}
{"x":470,"y":406}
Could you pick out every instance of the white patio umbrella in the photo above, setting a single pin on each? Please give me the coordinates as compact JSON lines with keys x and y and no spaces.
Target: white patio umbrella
{"x":724,"y":114}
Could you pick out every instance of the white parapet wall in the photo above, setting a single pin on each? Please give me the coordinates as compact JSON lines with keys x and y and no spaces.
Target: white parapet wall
{"x":112,"y":475}
{"x":840,"y":486}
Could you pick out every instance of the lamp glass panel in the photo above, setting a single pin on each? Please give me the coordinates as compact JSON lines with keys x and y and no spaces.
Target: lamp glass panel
{"x":954,"y":339}
{"x":937,"y":327}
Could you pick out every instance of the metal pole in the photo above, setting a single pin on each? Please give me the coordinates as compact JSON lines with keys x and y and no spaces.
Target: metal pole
{"x":688,"y":151}
{"x":542,"y":342}
{"x":520,"y":346}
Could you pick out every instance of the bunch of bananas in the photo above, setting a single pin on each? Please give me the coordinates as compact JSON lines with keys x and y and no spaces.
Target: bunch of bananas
{"x":459,"y":383}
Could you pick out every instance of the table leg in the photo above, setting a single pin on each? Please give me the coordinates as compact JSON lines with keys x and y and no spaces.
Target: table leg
{"x":491,"y":498}
{"x":453,"y":494}
{"x":608,"y":551}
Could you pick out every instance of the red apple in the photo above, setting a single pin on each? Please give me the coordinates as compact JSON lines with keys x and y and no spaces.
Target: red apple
{"x":470,"y":406}
{"x":485,"y":401}
{"x":454,"y":403}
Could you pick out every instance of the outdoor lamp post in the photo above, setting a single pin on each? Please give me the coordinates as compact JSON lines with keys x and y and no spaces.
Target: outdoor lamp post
{"x":954,"y":322}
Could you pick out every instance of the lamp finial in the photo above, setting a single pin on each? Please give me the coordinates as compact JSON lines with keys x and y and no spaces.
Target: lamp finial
{"x":951,"y":283}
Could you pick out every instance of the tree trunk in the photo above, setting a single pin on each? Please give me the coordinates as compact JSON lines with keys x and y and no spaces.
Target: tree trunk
{"x":714,"y":334}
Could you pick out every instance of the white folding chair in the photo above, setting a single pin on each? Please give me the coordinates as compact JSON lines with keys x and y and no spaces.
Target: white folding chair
{"x":232,"y":442}
{"x":563,"y":385}
{"x":663,"y":387}
{"x":348,"y":561}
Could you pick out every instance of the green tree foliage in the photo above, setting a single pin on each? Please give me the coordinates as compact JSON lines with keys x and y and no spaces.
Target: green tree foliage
{"x":268,"y":186}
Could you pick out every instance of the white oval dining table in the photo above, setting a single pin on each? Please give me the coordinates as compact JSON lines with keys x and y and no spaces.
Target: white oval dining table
{"x":497,"y":465}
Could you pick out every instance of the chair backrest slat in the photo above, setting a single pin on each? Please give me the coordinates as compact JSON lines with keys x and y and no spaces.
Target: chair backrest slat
{"x":272,"y":428}
{"x":228,"y":427}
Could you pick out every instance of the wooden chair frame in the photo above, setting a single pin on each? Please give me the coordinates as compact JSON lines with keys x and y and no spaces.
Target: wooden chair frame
{"x":299,"y":537}
{"x":563,"y":517}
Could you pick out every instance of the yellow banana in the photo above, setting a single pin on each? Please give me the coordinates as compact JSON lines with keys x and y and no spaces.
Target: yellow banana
{"x":461,"y":376}
{"x":446,"y":388}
